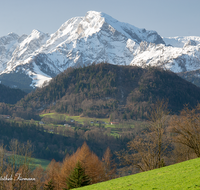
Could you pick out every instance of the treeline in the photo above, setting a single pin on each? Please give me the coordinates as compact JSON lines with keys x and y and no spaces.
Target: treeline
{"x":10,"y":95}
{"x":55,"y":145}
{"x":18,"y":111}
{"x":105,"y":90}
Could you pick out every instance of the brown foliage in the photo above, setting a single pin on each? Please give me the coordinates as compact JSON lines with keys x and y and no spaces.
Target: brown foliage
{"x":52,"y":173}
{"x":20,"y":176}
{"x":94,"y":168}
{"x":109,"y":165}
{"x":187,"y":128}
{"x":39,"y":174}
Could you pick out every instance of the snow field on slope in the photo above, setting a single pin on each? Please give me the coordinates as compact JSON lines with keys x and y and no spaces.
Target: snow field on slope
{"x":38,"y":77}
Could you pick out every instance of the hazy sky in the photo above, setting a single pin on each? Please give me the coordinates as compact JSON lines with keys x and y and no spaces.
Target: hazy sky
{"x":167,"y":17}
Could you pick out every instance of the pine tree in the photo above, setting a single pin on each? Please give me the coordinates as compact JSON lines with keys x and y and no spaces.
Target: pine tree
{"x":93,"y":167}
{"x":77,"y":178}
{"x":49,"y":186}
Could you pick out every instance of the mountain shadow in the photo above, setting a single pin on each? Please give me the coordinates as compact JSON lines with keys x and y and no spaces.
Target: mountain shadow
{"x":10,"y":95}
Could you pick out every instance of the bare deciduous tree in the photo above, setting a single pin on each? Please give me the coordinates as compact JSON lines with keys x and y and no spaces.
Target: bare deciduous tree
{"x":147,"y":149}
{"x":109,"y":165}
{"x":19,"y":163}
{"x":2,"y":164}
{"x":186,"y":127}
{"x":159,"y":117}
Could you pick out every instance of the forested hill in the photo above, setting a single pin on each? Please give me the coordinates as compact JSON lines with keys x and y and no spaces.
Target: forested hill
{"x":10,"y":95}
{"x":105,"y":90}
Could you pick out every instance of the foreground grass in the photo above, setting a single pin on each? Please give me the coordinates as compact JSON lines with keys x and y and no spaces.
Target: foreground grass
{"x":185,"y":175}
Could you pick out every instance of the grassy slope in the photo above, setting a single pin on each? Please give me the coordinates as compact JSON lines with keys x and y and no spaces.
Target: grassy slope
{"x":34,"y":162}
{"x":185,"y":175}
{"x":41,"y":162}
{"x":76,"y":118}
{"x":81,"y":120}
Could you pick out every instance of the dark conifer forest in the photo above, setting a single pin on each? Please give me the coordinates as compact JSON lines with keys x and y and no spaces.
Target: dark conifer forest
{"x":10,"y":95}
{"x":103,"y":90}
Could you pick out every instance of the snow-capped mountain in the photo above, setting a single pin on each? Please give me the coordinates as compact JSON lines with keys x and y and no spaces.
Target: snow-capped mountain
{"x":8,"y":44}
{"x":96,"y":37}
{"x":181,"y":57}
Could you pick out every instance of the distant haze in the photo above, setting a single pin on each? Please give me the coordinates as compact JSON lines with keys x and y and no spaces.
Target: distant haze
{"x":169,"y":18}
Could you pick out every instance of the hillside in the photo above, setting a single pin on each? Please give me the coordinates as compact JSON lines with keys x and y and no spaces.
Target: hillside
{"x":10,"y":95}
{"x":184,"y":175}
{"x":106,"y":90}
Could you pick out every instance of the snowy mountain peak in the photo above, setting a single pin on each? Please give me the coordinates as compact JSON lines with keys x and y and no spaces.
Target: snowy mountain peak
{"x":35,"y":35}
{"x":7,"y":39}
{"x":13,"y":35}
{"x":190,"y":43}
{"x":90,"y":15}
{"x":90,"y":24}
{"x":95,"y":37}
{"x":94,"y":17}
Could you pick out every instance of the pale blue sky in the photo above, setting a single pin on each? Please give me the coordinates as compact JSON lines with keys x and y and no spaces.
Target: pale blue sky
{"x":167,"y":17}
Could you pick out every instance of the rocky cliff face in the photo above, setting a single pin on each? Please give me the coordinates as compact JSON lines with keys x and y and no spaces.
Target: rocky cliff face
{"x":96,"y":37}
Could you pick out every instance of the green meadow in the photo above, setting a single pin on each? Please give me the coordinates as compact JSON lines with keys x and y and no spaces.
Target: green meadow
{"x":114,"y":130}
{"x":79,"y":119}
{"x":40,"y":162}
{"x":33,"y":162}
{"x":82,"y":120}
{"x":185,"y":175}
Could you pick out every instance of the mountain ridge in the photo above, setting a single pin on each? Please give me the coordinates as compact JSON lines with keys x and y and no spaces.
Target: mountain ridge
{"x":96,"y":37}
